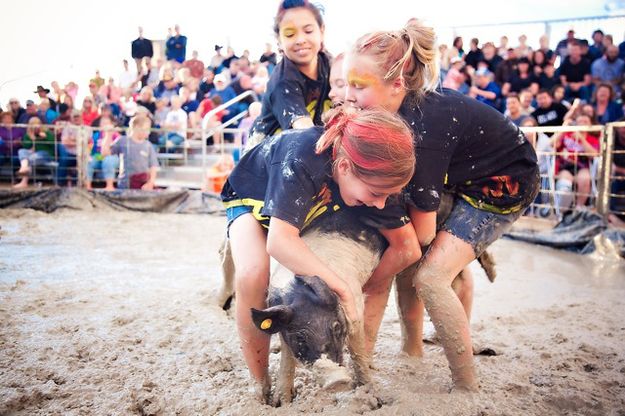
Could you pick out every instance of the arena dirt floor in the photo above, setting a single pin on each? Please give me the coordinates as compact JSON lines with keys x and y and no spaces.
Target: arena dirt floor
{"x":109,"y":313}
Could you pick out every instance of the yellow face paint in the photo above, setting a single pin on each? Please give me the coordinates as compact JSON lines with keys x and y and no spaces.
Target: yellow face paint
{"x":266,"y":324}
{"x":288,"y":31}
{"x":361,"y":80}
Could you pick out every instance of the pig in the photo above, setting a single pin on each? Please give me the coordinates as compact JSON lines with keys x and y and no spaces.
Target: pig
{"x":305,"y":311}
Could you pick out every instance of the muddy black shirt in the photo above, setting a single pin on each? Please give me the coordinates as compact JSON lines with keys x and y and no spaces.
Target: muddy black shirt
{"x":471,"y":149}
{"x":283,"y":177}
{"x":291,"y":95}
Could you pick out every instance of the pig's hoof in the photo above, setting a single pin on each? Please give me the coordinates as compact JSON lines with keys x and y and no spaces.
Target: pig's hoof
{"x":222,"y":299}
{"x":283,"y":398}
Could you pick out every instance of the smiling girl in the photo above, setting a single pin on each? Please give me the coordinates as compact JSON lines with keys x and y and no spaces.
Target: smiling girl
{"x":297,"y":92}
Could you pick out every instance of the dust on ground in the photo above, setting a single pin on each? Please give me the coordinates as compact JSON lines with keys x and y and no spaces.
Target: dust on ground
{"x":105,"y":312}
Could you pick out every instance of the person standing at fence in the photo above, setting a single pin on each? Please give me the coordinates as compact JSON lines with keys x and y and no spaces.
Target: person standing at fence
{"x":138,"y":157}
{"x":467,"y":150}
{"x":297,"y":92}
{"x":38,"y":148}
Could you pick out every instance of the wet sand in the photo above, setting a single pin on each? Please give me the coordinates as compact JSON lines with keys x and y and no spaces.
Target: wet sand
{"x":105,"y":312}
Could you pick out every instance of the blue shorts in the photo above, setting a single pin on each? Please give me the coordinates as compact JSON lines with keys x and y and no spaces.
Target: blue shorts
{"x":234,"y":212}
{"x":474,"y":226}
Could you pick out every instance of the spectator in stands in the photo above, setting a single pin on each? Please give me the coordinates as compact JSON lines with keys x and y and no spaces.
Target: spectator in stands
{"x":16,"y":109}
{"x":502,"y":49}
{"x":474,"y":55}
{"x":573,"y":163}
{"x":112,"y":94}
{"x":457,"y":47}
{"x":146,"y":99}
{"x":10,"y":137}
{"x":621,"y":50}
{"x":127,"y":78}
{"x":507,"y":68}
{"x":94,"y":94}
{"x":141,"y":51}
{"x":175,"y":125}
{"x":106,"y":111}
{"x":490,"y":56}
{"x":527,"y":101}
{"x":538,"y":62}
{"x":150,"y":75}
{"x":557,"y":92}
{"x":607,"y":110}
{"x":269,"y":58}
{"x":160,"y":115}
{"x":617,"y":203}
{"x":608,"y":69}
{"x":523,"y":50}
{"x":106,"y":165}
{"x":71,"y":135}
{"x":97,"y":79}
{"x":189,"y":104}
{"x":260,"y":80}
{"x":206,"y":85}
{"x":195,"y":66}
{"x":597,"y":49}
{"x":176,"y":46}
{"x":548,"y":112}
{"x":217,"y":59}
{"x":575,"y":74}
{"x":548,"y":78}
{"x":38,"y":148}
{"x":562,"y":49}
{"x":230,"y":56}
{"x":485,"y":89}
{"x":254,"y":111}
{"x":58,"y":94}
{"x":514,"y":111}
{"x":541,"y":142}
{"x":89,"y":111}
{"x":521,"y":79}
{"x":241,"y":85}
{"x":46,"y":113}
{"x":43,"y":95}
{"x":222,"y":89}
{"x":31,"y":111}
{"x":71,"y":88}
{"x":168,"y":86}
{"x":233,"y":72}
{"x":138,"y":156}
{"x":550,"y":56}
{"x":455,"y":77}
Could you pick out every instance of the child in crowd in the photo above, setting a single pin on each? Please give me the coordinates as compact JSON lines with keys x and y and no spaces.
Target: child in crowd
{"x":106,"y":164}
{"x":298,"y":88}
{"x":38,"y":147}
{"x":280,"y":186}
{"x":253,"y":112}
{"x":138,"y":157}
{"x":175,"y":125}
{"x":337,"y":82}
{"x":160,"y":114}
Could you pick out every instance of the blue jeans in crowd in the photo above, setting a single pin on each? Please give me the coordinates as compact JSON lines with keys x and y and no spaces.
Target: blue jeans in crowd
{"x":67,"y":160}
{"x":34,"y":158}
{"x":106,"y":166}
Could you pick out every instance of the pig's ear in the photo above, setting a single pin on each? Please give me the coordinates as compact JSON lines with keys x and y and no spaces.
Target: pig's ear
{"x":325,"y":295}
{"x":272,"y":320}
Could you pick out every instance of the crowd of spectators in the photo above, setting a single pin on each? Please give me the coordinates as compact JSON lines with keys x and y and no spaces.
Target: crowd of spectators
{"x":580,"y":82}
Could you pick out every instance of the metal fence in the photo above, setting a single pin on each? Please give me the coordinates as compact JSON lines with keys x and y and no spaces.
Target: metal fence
{"x":605,"y":193}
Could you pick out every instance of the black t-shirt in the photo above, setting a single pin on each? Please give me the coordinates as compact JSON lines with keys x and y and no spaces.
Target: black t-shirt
{"x":548,"y":83}
{"x":469,"y":148}
{"x":552,"y":116}
{"x":473,"y":57}
{"x":574,"y":72}
{"x":291,"y":95}
{"x":283,"y":177}
{"x":493,"y":63}
{"x":518,"y":84}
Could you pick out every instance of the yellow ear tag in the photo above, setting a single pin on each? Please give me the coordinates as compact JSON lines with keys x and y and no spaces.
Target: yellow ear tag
{"x":266,"y":324}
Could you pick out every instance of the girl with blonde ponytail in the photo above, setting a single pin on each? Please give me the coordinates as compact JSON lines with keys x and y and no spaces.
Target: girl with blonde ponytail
{"x":282,"y":185}
{"x":467,"y":152}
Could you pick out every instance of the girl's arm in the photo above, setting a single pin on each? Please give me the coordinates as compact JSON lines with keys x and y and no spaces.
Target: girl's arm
{"x":286,"y":246}
{"x":424,"y":223}
{"x":403,"y":250}
{"x":303,"y":123}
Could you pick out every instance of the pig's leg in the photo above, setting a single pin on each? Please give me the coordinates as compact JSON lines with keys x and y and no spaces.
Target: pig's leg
{"x":227,"y":268}
{"x":284,"y":387}
{"x":410,"y":309}
{"x":251,"y":264}
{"x":360,"y":358}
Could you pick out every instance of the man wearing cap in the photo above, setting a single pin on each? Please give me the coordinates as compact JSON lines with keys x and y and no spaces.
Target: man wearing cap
{"x":43,"y":94}
{"x":217,"y":59}
{"x":484,"y":89}
{"x":141,"y":48}
{"x":30,"y":112}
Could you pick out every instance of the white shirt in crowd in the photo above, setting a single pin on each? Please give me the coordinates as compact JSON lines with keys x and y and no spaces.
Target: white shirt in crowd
{"x":126,"y":79}
{"x":179,"y":118}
